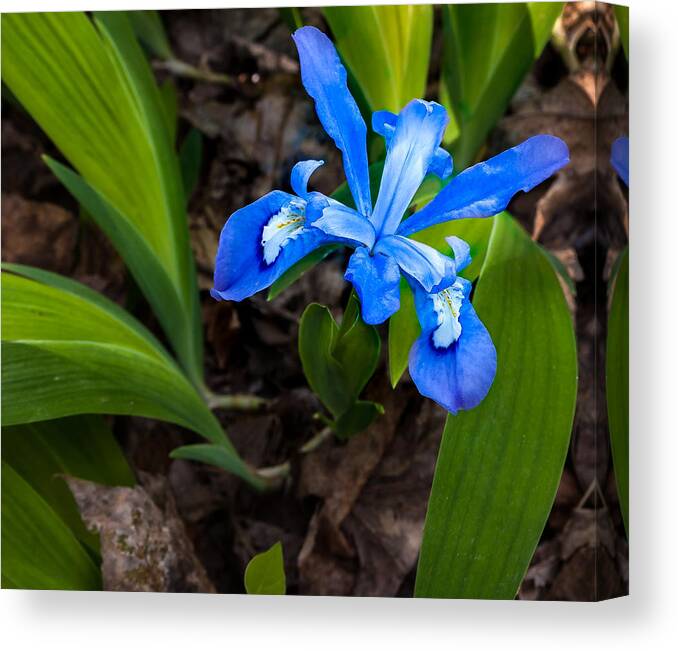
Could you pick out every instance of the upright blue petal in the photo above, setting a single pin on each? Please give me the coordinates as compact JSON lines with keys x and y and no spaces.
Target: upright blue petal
{"x":301,"y":173}
{"x":418,"y":132}
{"x":459,"y":376}
{"x":240,"y":268}
{"x":425,"y":264}
{"x":486,"y":188}
{"x":461,"y":250}
{"x":620,"y":158}
{"x":324,"y":78}
{"x":384,"y":123}
{"x":376,"y":279}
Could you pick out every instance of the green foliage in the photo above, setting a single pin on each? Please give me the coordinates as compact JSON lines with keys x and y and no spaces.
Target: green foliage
{"x":265,"y":573}
{"x":39,"y":552}
{"x":190,"y":159}
{"x":87,"y":84}
{"x":338,"y":361}
{"x":622,"y":15}
{"x":149,"y":30}
{"x":80,"y":446}
{"x":386,"y":49}
{"x":617,"y":379}
{"x":489,"y":48}
{"x":499,"y":464}
{"x":68,"y":350}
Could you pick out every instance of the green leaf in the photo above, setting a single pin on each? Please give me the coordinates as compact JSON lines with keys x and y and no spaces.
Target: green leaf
{"x":190,"y":157}
{"x":150,"y":31}
{"x":318,"y":334}
{"x":39,"y":552}
{"x":358,"y":417}
{"x":265,"y":573}
{"x":297,"y":270}
{"x":89,"y":87}
{"x":386,"y":49}
{"x":65,"y":354}
{"x":357,"y":348}
{"x":404,"y":327}
{"x":617,"y":378}
{"x":499,"y":464}
{"x":292,"y":17}
{"x":80,"y":446}
{"x":488,"y":50}
{"x":622,"y":15}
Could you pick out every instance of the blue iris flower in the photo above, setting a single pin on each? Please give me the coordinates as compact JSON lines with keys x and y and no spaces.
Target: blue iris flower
{"x":620,"y":158}
{"x":454,"y":360}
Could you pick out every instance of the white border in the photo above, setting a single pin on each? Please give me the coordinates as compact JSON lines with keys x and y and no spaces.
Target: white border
{"x":60,"y":620}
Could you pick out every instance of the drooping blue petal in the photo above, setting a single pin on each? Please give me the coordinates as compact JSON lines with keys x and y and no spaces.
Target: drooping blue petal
{"x":620,"y":158}
{"x":324,"y":78}
{"x":301,"y":173}
{"x":240,"y":268}
{"x":419,"y":261}
{"x":384,"y":123}
{"x":418,"y":132}
{"x":486,"y":188}
{"x":459,"y":376}
{"x":376,"y":279}
{"x":461,"y":250}
{"x":343,"y":223}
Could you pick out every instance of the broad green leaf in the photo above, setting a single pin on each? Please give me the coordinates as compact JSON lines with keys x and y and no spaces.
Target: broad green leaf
{"x":386,"y":49}
{"x":150,"y":31}
{"x":190,"y":157}
{"x":297,"y":270}
{"x":65,"y":354}
{"x":39,"y":552}
{"x":87,"y":84}
{"x":622,"y":15}
{"x":265,"y":573}
{"x":356,"y":418}
{"x":499,"y":464}
{"x":403,"y":325}
{"x":318,"y":334}
{"x":292,"y":17}
{"x":617,"y":378}
{"x":488,"y":50}
{"x":357,"y":348}
{"x":80,"y":446}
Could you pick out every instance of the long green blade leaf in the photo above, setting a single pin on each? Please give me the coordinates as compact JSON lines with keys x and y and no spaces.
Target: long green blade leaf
{"x":488,"y":50}
{"x":499,"y":464}
{"x":39,"y":552}
{"x":81,"y":446}
{"x":386,"y":49}
{"x":90,"y":89}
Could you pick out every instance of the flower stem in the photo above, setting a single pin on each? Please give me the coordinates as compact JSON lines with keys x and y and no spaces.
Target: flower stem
{"x":236,"y":402}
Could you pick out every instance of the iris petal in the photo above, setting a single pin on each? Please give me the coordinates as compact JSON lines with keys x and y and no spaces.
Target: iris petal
{"x":458,"y":377}
{"x":324,"y":78}
{"x":344,"y":223}
{"x":419,"y":261}
{"x":376,"y":279}
{"x":620,"y":158}
{"x":486,"y":188}
{"x":240,"y":268}
{"x":301,"y":173}
{"x":461,"y":250}
{"x":418,"y":132}
{"x":384,"y":122}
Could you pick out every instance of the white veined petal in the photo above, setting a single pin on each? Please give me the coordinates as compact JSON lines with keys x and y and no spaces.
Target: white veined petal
{"x":447,"y":305}
{"x":284,"y":226}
